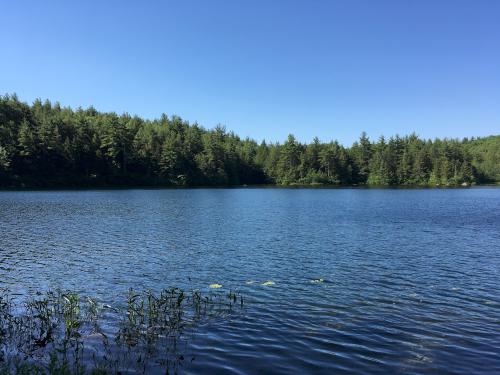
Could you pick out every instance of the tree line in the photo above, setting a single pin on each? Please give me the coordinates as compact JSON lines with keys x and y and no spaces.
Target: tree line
{"x":46,"y":145}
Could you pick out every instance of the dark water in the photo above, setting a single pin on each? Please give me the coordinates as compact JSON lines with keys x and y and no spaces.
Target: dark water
{"x":411,"y":277}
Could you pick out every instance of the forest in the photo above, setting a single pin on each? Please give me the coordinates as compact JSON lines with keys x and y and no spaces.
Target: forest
{"x":46,"y":145}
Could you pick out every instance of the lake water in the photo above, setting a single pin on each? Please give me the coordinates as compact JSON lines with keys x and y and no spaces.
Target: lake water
{"x":411,"y":277}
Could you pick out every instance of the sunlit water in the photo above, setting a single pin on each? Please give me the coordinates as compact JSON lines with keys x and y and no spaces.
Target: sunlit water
{"x":411,"y":277}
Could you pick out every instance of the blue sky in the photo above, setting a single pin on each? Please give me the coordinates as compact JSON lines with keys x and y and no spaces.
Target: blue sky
{"x":265,"y":68}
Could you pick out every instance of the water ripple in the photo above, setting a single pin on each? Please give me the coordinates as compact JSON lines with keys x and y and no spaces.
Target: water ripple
{"x":409,"y":278}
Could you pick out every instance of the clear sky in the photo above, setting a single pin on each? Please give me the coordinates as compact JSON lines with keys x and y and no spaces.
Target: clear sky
{"x":265,"y":68}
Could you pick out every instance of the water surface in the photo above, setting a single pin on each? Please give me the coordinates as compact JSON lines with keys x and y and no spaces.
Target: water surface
{"x":411,"y":277}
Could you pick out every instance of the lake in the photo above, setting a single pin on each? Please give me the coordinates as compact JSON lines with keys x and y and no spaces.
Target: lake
{"x":366,"y":281}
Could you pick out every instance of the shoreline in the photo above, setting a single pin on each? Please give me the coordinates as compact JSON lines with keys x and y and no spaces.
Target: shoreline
{"x":262,"y":186}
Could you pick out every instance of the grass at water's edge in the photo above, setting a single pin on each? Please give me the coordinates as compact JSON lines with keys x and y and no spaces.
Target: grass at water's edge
{"x":61,"y":332}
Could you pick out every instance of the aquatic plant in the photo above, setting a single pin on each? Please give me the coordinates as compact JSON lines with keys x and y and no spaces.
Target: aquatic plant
{"x":63,"y":333}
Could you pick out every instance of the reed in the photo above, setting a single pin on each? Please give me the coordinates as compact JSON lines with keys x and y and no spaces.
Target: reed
{"x":61,"y":332}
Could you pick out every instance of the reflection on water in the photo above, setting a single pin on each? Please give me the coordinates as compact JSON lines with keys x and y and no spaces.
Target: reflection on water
{"x":363,"y":281}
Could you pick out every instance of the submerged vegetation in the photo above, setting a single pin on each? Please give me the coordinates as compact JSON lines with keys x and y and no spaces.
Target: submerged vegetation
{"x":46,"y":145}
{"x":64,"y":333}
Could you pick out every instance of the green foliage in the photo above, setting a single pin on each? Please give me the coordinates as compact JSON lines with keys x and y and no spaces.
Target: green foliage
{"x":485,"y":158}
{"x":46,"y":145}
{"x":4,"y":159}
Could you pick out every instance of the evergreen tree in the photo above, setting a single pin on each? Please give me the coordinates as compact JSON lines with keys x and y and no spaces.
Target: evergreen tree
{"x":48,"y":145}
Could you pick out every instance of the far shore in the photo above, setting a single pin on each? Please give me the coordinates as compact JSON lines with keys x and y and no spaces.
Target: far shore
{"x":261,"y":186}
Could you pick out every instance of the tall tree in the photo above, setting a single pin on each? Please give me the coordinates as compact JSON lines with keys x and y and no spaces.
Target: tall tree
{"x":46,"y":145}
